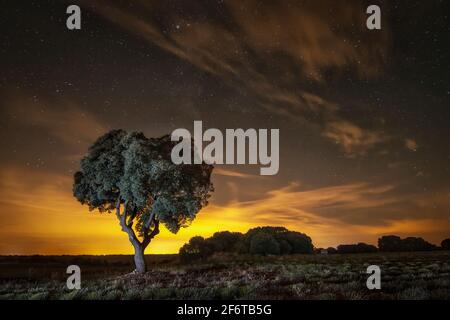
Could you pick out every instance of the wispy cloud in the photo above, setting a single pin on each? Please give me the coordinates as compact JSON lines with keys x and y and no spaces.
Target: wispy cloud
{"x":235,"y":174}
{"x":271,"y":50}
{"x":63,"y":120}
{"x":47,"y":219}
{"x":353,"y":139}
{"x":411,"y":144}
{"x":337,"y":214}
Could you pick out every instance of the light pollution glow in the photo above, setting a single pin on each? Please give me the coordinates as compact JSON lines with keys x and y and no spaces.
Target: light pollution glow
{"x":48,"y":220}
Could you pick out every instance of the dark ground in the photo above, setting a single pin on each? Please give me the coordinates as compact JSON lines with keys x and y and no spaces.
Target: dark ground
{"x":416,"y":275}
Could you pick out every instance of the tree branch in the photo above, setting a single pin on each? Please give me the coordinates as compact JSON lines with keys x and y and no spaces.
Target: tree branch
{"x":118,"y":208}
{"x":150,"y":220}
{"x":123,"y":223}
{"x":148,"y":236}
{"x":131,"y":218}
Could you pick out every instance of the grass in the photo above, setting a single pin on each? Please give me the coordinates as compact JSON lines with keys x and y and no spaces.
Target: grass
{"x":411,"y":276}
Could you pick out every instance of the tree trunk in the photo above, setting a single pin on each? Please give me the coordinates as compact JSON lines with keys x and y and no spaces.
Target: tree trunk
{"x":139,"y":259}
{"x":139,"y":247}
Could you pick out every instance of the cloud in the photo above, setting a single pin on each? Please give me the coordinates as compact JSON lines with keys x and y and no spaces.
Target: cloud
{"x":44,"y":218}
{"x":337,"y":214}
{"x":273,"y":51}
{"x":62,"y":120}
{"x":47,"y":219}
{"x":411,"y":144}
{"x":314,"y":38}
{"x":235,"y":174}
{"x":353,"y":139}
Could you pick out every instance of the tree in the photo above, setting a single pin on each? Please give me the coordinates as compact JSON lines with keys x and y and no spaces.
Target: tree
{"x":356,"y":248}
{"x":299,"y":242}
{"x":416,"y":244}
{"x":225,"y":241}
{"x":445,"y":244}
{"x":395,"y":243}
{"x":259,"y":240}
{"x":135,"y":177}
{"x":390,"y":243}
{"x":285,"y":247}
{"x":264,"y":244}
{"x":196,"y":248}
{"x":331,"y":250}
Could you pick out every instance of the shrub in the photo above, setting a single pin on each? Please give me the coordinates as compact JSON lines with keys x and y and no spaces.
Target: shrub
{"x":299,"y":242}
{"x":197,"y":248}
{"x":225,"y":241}
{"x":264,"y":244}
{"x":279,"y":241}
{"x":356,"y":248}
{"x":390,"y":243}
{"x":445,"y":244}
{"x":417,"y":244}
{"x":331,"y":250}
{"x":285,"y":247}
{"x":395,"y":244}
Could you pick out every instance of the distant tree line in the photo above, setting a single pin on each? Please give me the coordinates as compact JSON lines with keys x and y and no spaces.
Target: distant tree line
{"x":260,"y":241}
{"x":356,"y":248}
{"x":389,"y":244}
{"x":395,"y":244}
{"x":281,"y":241}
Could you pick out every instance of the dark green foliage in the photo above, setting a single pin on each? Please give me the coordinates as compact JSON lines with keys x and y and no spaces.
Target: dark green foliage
{"x":225,"y":241}
{"x":356,"y":248}
{"x":138,"y":171}
{"x":390,"y":243}
{"x":260,"y":241}
{"x":417,"y":244}
{"x":332,"y":250}
{"x":396,"y":244}
{"x":290,"y":242}
{"x":197,"y":248}
{"x":299,"y":242}
{"x":445,"y":244}
{"x":264,"y":244}
{"x":285,"y":246}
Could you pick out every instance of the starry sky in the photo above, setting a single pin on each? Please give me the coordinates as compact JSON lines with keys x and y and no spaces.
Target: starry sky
{"x":363,"y":114}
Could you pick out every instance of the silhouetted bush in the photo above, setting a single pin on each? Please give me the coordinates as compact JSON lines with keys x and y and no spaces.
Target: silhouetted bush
{"x":285,"y":247}
{"x":390,"y":243}
{"x":445,"y":244}
{"x":396,"y":244}
{"x":331,"y":250}
{"x":356,"y":248}
{"x":290,"y":242}
{"x":299,"y":242}
{"x":264,"y":244}
{"x":260,"y":240}
{"x":225,"y":241}
{"x":417,"y":244}
{"x":197,"y":248}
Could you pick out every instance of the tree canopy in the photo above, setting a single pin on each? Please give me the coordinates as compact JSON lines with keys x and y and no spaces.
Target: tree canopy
{"x":139,"y":172}
{"x":395,"y":243}
{"x":258,"y":241}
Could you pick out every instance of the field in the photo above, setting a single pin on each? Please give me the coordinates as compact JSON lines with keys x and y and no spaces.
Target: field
{"x":424,"y":275}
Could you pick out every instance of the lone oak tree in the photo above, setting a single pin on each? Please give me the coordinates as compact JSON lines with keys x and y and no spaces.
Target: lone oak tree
{"x":135,"y":177}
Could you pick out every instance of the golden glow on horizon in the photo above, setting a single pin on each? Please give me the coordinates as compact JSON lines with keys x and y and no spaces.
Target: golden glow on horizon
{"x":46,"y":218}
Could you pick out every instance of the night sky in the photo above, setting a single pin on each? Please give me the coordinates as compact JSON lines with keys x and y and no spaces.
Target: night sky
{"x":364,"y":115}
